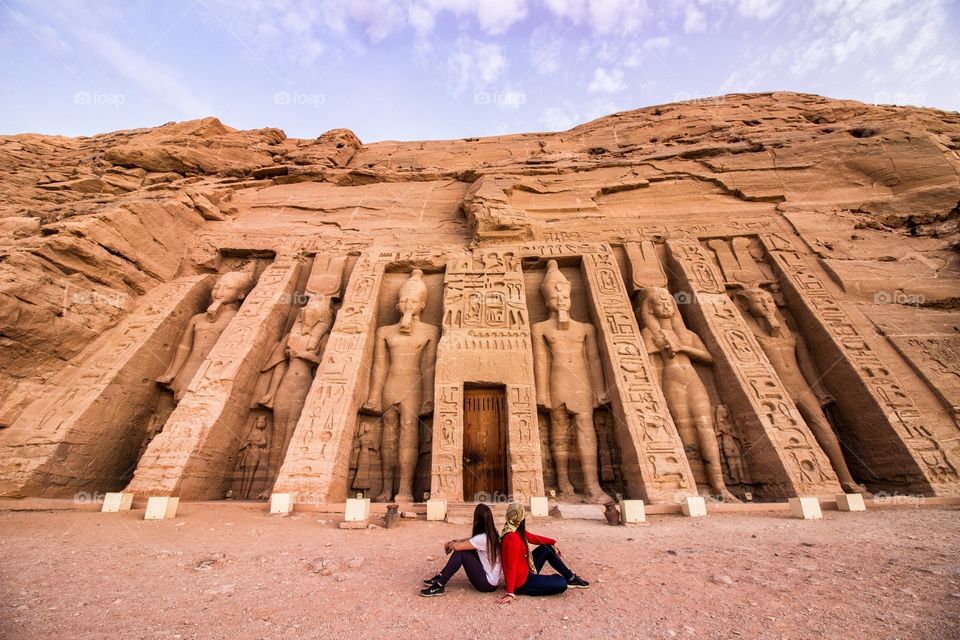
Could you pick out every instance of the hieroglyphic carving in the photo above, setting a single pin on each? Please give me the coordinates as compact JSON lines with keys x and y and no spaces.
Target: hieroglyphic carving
{"x":780,"y":449}
{"x":317,"y":461}
{"x":486,"y":338}
{"x":639,"y":232}
{"x":886,"y":414}
{"x":655,"y":467}
{"x":86,"y":432}
{"x":934,"y":356}
{"x":190,"y":458}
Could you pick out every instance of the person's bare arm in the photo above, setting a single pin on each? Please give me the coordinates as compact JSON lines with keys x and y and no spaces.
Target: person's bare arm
{"x":596,"y":367}
{"x":429,"y":365}
{"x":378,"y":375}
{"x":183,"y":352}
{"x":541,"y":368}
{"x":695,"y":348}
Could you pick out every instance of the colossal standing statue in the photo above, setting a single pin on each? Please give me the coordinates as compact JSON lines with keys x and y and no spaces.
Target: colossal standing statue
{"x":569,"y":380}
{"x":401,"y":387}
{"x":673,"y":349}
{"x":291,"y":368}
{"x":204,"y":329}
{"x":788,"y":354}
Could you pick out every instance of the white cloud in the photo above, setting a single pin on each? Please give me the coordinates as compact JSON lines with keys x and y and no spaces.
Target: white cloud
{"x":759,"y":9}
{"x":556,"y":119}
{"x":496,"y":16}
{"x":473,"y":64}
{"x":694,"y":21}
{"x":607,"y":81}
{"x":605,"y":17}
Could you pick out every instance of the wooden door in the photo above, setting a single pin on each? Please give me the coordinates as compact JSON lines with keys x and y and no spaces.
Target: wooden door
{"x":484,"y":443}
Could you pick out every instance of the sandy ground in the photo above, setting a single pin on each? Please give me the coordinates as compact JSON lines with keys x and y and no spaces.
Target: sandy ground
{"x":232,"y":572}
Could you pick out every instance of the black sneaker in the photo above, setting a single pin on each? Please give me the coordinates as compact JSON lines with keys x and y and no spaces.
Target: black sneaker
{"x":433,"y":590}
{"x":429,"y":581}
{"x":576,"y":582}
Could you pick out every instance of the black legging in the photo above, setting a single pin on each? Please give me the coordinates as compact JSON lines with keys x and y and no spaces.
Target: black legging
{"x":541,"y":585}
{"x":470,"y":562}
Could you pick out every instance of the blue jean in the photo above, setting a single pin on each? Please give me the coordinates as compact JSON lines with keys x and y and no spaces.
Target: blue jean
{"x":541,"y":585}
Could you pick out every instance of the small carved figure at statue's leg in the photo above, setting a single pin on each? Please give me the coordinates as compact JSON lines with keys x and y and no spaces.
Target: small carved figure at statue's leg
{"x":408,"y":454}
{"x":710,"y":454}
{"x":388,"y":453}
{"x":587,"y":448}
{"x":559,"y":442}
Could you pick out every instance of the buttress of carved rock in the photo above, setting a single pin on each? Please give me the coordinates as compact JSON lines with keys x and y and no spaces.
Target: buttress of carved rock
{"x":84,"y":433}
{"x":653,"y":461}
{"x":192,"y":456}
{"x":204,"y":330}
{"x":485,"y":436}
{"x":780,"y":451}
{"x":900,"y":449}
{"x":570,"y":385}
{"x":491,"y":216}
{"x":317,"y":462}
{"x":673,"y":349}
{"x":401,"y":388}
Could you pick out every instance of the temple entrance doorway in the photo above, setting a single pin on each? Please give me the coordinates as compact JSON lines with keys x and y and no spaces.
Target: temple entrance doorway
{"x":484,"y":443}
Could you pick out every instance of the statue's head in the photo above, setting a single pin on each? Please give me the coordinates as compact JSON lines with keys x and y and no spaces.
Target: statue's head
{"x":261,"y":423}
{"x":760,"y":304}
{"x":411,"y":300}
{"x":231,"y":287}
{"x":555,"y":290}
{"x":659,"y":303}
{"x":316,"y":309}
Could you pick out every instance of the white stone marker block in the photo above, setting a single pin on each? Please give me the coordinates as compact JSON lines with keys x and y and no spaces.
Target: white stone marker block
{"x":539,"y":507}
{"x":694,"y":507}
{"x":807,"y":507}
{"x":161,"y":508}
{"x":846,"y":502}
{"x":281,"y":503}
{"x":632,"y":511}
{"x":436,"y":509}
{"x":356,"y":510}
{"x":113,"y":502}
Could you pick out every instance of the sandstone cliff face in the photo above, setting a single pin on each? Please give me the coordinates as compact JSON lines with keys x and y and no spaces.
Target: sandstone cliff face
{"x":91,"y":225}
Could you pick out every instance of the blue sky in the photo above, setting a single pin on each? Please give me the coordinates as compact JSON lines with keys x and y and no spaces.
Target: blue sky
{"x":429,"y":69}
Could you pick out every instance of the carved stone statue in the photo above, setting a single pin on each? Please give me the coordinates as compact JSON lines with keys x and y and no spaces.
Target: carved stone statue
{"x":401,"y":386}
{"x":673,"y":349}
{"x":291,"y":368}
{"x":570,"y":384}
{"x":204,"y":329}
{"x":730,"y":446}
{"x":251,"y":452}
{"x":364,"y":457}
{"x":787,"y":352}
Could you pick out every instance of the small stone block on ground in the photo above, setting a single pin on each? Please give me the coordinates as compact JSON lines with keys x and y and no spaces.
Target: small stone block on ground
{"x":694,"y":507}
{"x":281,"y":503}
{"x":632,"y":512}
{"x":436,"y":509}
{"x":579,"y":512}
{"x":161,"y":508}
{"x":114,"y":502}
{"x":806,"y":507}
{"x":539,"y":507}
{"x":354,"y":524}
{"x":357,"y":510}
{"x":850,"y":502}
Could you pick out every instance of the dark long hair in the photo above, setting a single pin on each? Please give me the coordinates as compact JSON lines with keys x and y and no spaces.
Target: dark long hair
{"x":483,"y":523}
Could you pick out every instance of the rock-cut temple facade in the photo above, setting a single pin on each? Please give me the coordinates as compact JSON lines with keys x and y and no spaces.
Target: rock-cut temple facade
{"x":751,"y":297}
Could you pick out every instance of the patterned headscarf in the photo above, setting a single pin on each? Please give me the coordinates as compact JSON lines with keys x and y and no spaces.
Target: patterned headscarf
{"x":515,"y":515}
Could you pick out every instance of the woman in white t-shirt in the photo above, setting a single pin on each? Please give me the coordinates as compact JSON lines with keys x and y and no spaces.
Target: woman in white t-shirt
{"x":479,"y":555}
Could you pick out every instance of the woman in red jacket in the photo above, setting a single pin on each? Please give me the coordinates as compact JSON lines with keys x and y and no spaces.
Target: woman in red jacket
{"x":521,"y":568}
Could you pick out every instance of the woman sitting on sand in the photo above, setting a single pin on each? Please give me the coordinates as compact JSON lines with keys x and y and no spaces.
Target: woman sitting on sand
{"x":521,"y":568}
{"x":479,"y":556}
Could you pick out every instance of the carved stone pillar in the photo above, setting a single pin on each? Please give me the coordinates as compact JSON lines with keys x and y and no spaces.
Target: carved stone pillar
{"x":899,"y":447}
{"x":85,"y":434}
{"x":778,"y":446}
{"x":317,"y":462}
{"x":486,"y":339}
{"x":191,"y":457}
{"x":654,"y":464}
